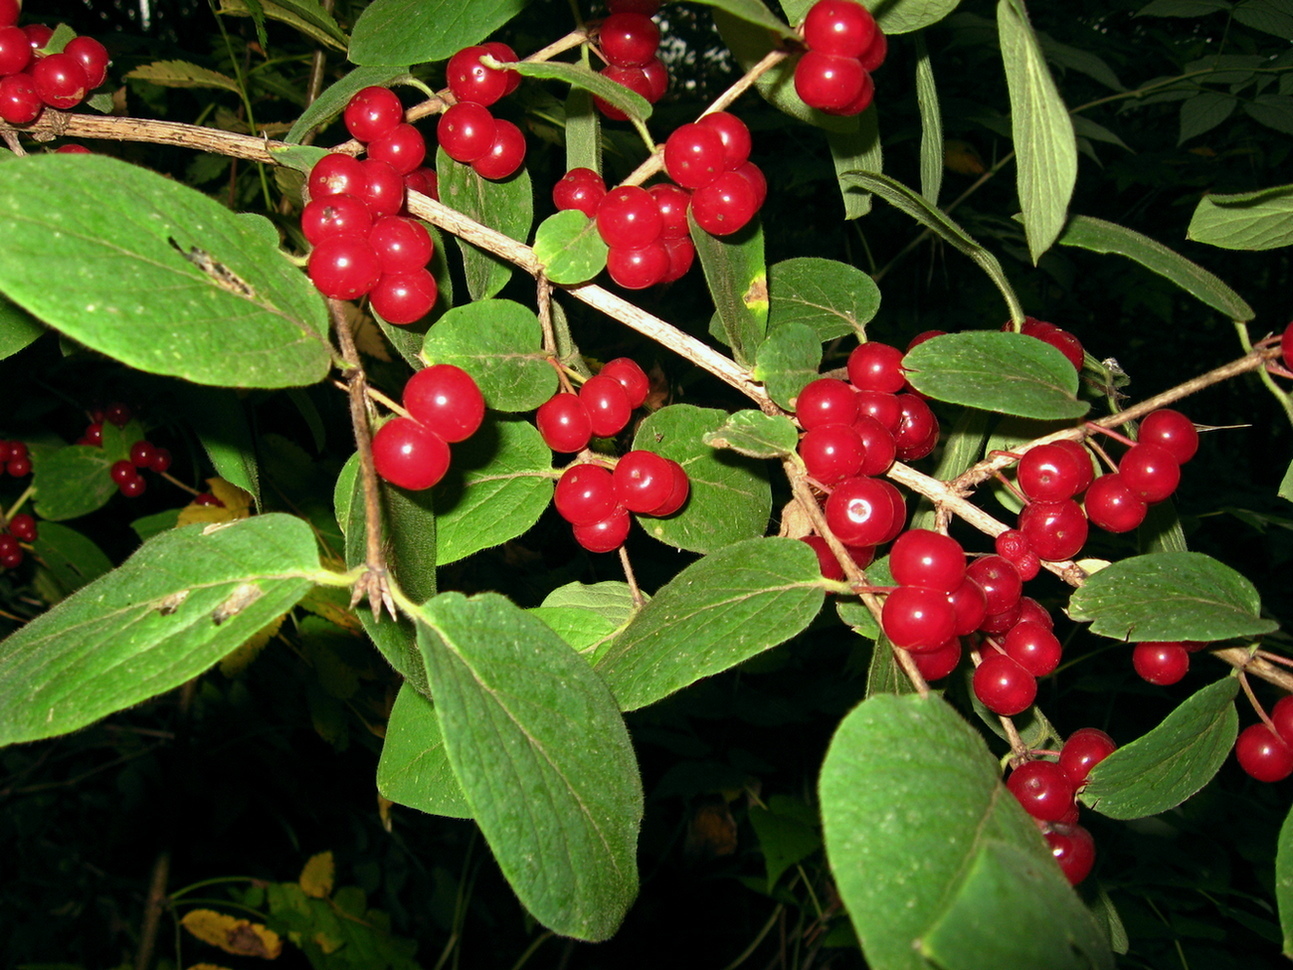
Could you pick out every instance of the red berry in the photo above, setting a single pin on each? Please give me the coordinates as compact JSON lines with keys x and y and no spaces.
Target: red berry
{"x":141,"y":454}
{"x":1031,"y":611}
{"x":1171,"y":430}
{"x":1034,"y":647}
{"x":884,"y":407}
{"x":410,"y":455}
{"x":628,"y":218}
{"x":1074,"y":849}
{"x":1011,"y":544}
{"x":22,"y":526}
{"x":605,"y":535}
{"x":643,"y":481}
{"x":206,"y":498}
{"x":878,"y":442}
{"x":60,"y":80}
{"x":447,"y":400}
{"x":860,"y":511}
{"x":725,"y":205}
{"x":647,"y":8}
{"x":921,"y":557}
{"x":918,"y":619}
{"x":1056,"y":530}
{"x":1286,"y":347}
{"x":1003,"y":686}
{"x":404,"y":296}
{"x":1066,"y":344}
{"x":826,"y":562}
{"x":1084,"y":749}
{"x":1263,"y":754}
{"x":824,"y":401}
{"x":506,"y":153}
{"x":1113,"y":506}
{"x":335,"y":215}
{"x":832,"y":453}
{"x":917,"y":432}
{"x":999,"y":581}
{"x":122,"y":471}
{"x":580,"y":188}
{"x":841,"y":27}
{"x":629,"y":39}
{"x":563,"y":423}
{"x":382,"y":188}
{"x":1043,"y":789}
{"x":19,"y":100}
{"x":336,"y":174}
{"x":694,"y":156}
{"x":678,"y":495}
{"x":9,"y":11}
{"x":118,"y":414}
{"x":1281,"y":713}
{"x":94,"y":434}
{"x":636,"y":79}
{"x":344,"y":267}
{"x":1052,"y":473}
{"x":897,"y":508}
{"x":829,"y":82}
{"x":754,"y":175}
{"x":735,"y":136}
{"x":1160,"y":662}
{"x":466,"y":131}
{"x":937,"y":664}
{"x":470,"y":80}
{"x":608,"y":405}
{"x":133,"y":487}
{"x":424,"y":181}
{"x":996,"y":624}
{"x":504,"y":55}
{"x":636,"y":269}
{"x":400,"y":243}
{"x":161,"y":460}
{"x":585,"y":494}
{"x":38,"y":35}
{"x":631,"y":376}
{"x":682,"y":253}
{"x":970,"y":605}
{"x":15,"y":51}
{"x":672,"y":202}
{"x":403,"y":148}
{"x":1151,"y":472}
{"x":372,"y":112}
{"x":874,"y":366}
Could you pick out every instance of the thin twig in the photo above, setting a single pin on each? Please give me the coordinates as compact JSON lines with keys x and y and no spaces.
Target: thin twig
{"x":639,"y":600}
{"x":153,"y":907}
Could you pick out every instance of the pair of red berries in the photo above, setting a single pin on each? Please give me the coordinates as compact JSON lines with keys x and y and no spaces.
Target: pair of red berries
{"x":445,"y":406}
{"x":468,"y":131}
{"x":20,"y":528}
{"x":844,"y":46}
{"x":711,"y":157}
{"x":143,"y":455}
{"x":14,"y":458}
{"x":1266,"y":754}
{"x":628,"y":41}
{"x":32,"y":79}
{"x":597,"y":501}
{"x":601,"y":409}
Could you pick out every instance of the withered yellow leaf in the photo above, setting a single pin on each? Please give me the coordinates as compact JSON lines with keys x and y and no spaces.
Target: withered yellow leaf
{"x":237,"y":936}
{"x":235,"y":504}
{"x":318,"y":876}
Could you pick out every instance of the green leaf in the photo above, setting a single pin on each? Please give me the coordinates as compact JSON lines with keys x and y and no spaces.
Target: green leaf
{"x":788,"y":360}
{"x":1271,"y":16}
{"x":182,"y":74}
{"x":587,"y":617}
{"x":787,"y":831}
{"x":1286,"y":485}
{"x":856,"y":148}
{"x":934,"y":860}
{"x":719,"y":611}
{"x":583,"y":630}
{"x":500,"y":343}
{"x":1169,"y":596}
{"x":332,"y":102}
{"x":1182,"y":8}
{"x":583,"y":131}
{"x":1284,"y":881}
{"x":755,"y":434}
{"x":1005,"y":372}
{"x":833,"y":298}
{"x":753,"y":12}
{"x":1251,"y":220}
{"x":499,"y":484}
{"x":1161,"y":531}
{"x":931,"y":125}
{"x":71,"y":558}
{"x":906,"y":16}
{"x":1045,"y":144}
{"x":584,"y":78}
{"x":414,"y":767}
{"x":305,"y":16}
{"x":417,"y":31}
{"x":507,"y":206}
{"x":173,"y":609}
{"x":72,"y":481}
{"x":157,"y":275}
{"x":543,"y":756}
{"x":1163,"y":768}
{"x":738,"y":282}
{"x":1203,"y":112}
{"x":18,"y":328}
{"x":915,"y":205}
{"x":730,"y":499}
{"x":217,"y":417}
{"x":1275,"y":111}
{"x":569,"y":247}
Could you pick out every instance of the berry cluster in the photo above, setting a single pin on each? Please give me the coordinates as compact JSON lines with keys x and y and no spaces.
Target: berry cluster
{"x":1264,"y":750}
{"x":143,"y":454}
{"x":468,"y":131}
{"x":711,"y":157}
{"x":1047,"y":790}
{"x":32,"y":79}
{"x":628,"y":40}
{"x":444,"y":406}
{"x":844,"y":46}
{"x":14,"y":458}
{"x":361,"y":244}
{"x":21,"y":528}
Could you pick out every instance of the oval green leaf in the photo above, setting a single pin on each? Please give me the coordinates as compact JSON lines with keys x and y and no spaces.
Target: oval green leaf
{"x":631,"y":103}
{"x":738,"y":283}
{"x":544,"y":759}
{"x":187,"y":598}
{"x":935,"y":861}
{"x":417,"y":31}
{"x":1170,"y":596}
{"x":414,"y":768}
{"x":1005,"y":372}
{"x":833,"y":298}
{"x":755,"y":434}
{"x":1173,"y":761}
{"x":500,"y":344}
{"x":717,"y":612}
{"x":1251,"y":220}
{"x":730,"y":499}
{"x":507,"y":206}
{"x":788,"y":360}
{"x":570,"y":248}
{"x":156,"y":275}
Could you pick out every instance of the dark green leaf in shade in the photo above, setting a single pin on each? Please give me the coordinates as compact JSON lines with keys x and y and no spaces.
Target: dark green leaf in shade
{"x":18,"y":328}
{"x":738,"y":283}
{"x":1284,"y":881}
{"x":833,"y":298}
{"x":149,"y":525}
{"x":856,"y":148}
{"x":1182,"y":8}
{"x":1285,"y":490}
{"x":1161,"y":531}
{"x":883,"y":675}
{"x":1108,"y":237}
{"x":1271,"y":16}
{"x":569,"y":247}
{"x":583,"y":77}
{"x":1250,"y":220}
{"x":933,"y":856}
{"x":500,"y":482}
{"x":1005,"y":372}
{"x":1045,"y":145}
{"x":716,"y":613}
{"x":787,"y":831}
{"x":507,"y":206}
{"x":915,"y":205}
{"x":856,"y":615}
{"x":182,"y":74}
{"x":730,"y":498}
{"x":71,"y":558}
{"x":1163,"y":768}
{"x":1169,"y":596}
{"x":753,"y":12}
{"x":332,"y":102}
{"x":1203,"y":112}
{"x":307,"y":16}
{"x":583,"y":131}
{"x":217,"y":417}
{"x":157,"y":275}
{"x":931,"y":125}
{"x":1275,"y":111}
{"x":417,"y":31}
{"x":755,"y":434}
{"x":414,"y":768}
{"x":1106,"y":914}
{"x":788,"y":360}
{"x":500,"y":344}
{"x":545,"y":761}
{"x":173,"y":609}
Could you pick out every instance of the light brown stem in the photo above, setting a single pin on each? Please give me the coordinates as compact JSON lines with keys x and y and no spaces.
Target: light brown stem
{"x":1241,"y":659}
{"x":154,"y":905}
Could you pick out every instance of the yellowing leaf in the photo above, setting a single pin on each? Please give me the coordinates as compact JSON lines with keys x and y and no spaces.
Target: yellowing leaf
{"x":238,"y":661}
{"x":235,"y":504}
{"x":368,"y":336}
{"x":318,"y":877}
{"x":182,"y":74}
{"x":237,"y":936}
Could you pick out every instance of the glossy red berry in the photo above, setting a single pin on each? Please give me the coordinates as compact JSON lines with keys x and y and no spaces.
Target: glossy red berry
{"x":400,"y":243}
{"x":874,"y":366}
{"x":141,"y":454}
{"x":605,"y":535}
{"x":860,"y":511}
{"x":694,"y":155}
{"x":580,"y":188}
{"x":344,"y":267}
{"x":335,"y":215}
{"x":133,"y":487}
{"x":94,"y":434}
{"x":424,"y":181}
{"x":1281,"y":714}
{"x":626,"y":371}
{"x":970,"y":606}
{"x":1043,"y":789}
{"x":841,"y":27}
{"x":585,"y":494}
{"x":922,"y":557}
{"x":629,"y":39}
{"x":38,"y":35}
{"x":628,"y":218}
{"x":884,"y":407}
{"x":1002,"y":685}
{"x":1051,"y":473}
{"x":1066,"y":344}
{"x":918,"y":619}
{"x":466,"y":131}
{"x":504,"y":55}
{"x":382,"y":188}
{"x":1074,"y":849}
{"x":637,"y":79}
{"x":336,"y":174}
{"x":735,"y":135}
{"x":1011,"y":544}
{"x":999,"y":580}
{"x":11,"y":9}
{"x":678,"y":494}
{"x":19,"y":100}
{"x":404,"y":296}
{"x":1113,"y":506}
{"x":725,"y":205}
{"x":1150,"y":472}
{"x":1172,"y":431}
{"x":672,"y":202}
{"x":118,"y":414}
{"x":161,"y":460}
{"x":1161,"y":662}
{"x":1034,"y":647}
{"x":60,"y":80}
{"x":1056,"y":530}
{"x":1084,"y":749}
{"x":23,"y":527}
{"x":506,"y":153}
{"x":15,"y":51}
{"x":636,"y":269}
{"x":408,"y":454}
{"x":470,"y":80}
{"x":917,"y":433}
{"x":878,"y":442}
{"x":1286,"y":347}
{"x":1031,"y":611}
{"x":1263,"y":753}
{"x":447,"y":400}
{"x":403,"y":148}
{"x":825,"y":401}
{"x":831,"y":83}
{"x":643,"y":481}
{"x":122,"y":471}
{"x":826,"y":562}
{"x":832,"y":453}
{"x":608,"y":405}
{"x":937,"y":664}
{"x":373,"y":112}
{"x":563,"y":423}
